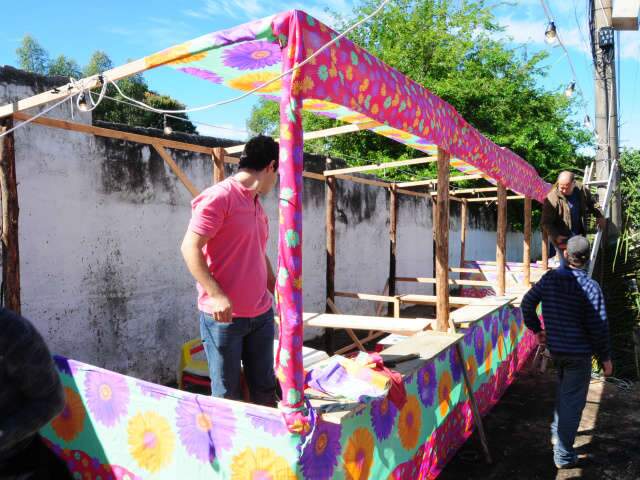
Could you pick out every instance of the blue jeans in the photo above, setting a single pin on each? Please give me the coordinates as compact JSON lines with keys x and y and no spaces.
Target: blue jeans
{"x":574,"y":373}
{"x":244,"y":340}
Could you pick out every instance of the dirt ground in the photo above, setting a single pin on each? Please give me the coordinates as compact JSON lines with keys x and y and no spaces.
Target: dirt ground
{"x":608,"y":441}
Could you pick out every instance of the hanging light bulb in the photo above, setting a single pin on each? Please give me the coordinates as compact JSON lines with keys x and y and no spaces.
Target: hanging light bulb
{"x":587,"y":123}
{"x":82,"y":102}
{"x":167,"y":129}
{"x":570,"y":89}
{"x":550,"y":34}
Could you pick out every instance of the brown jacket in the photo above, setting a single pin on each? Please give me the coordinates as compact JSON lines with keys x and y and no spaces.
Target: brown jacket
{"x":556,"y":215}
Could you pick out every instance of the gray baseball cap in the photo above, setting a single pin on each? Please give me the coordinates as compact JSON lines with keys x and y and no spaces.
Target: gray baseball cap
{"x":578,"y":249}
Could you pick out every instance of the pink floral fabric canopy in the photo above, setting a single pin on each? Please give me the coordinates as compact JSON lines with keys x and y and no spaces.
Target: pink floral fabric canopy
{"x":346,"y":83}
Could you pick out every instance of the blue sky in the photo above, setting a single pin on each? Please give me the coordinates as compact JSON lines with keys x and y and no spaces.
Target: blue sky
{"x":132,"y":29}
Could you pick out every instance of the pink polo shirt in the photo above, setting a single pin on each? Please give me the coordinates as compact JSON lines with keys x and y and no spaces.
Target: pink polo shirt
{"x":231,"y":216}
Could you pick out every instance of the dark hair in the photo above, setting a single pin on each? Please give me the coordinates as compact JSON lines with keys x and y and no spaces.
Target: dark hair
{"x":259,"y":152}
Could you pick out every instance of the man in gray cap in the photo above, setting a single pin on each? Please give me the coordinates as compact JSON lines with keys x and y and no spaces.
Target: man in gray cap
{"x":565,"y":210}
{"x":575,"y":329}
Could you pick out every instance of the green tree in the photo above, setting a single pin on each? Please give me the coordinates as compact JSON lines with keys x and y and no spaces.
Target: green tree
{"x":630,"y":190}
{"x":32,"y":57}
{"x":98,"y":63}
{"x":64,"y":66}
{"x":450,"y":47}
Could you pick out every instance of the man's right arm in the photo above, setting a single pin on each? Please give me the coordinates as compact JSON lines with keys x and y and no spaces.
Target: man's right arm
{"x":191,"y":248}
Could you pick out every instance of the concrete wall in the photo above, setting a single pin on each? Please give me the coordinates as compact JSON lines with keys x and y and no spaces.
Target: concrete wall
{"x":101,"y":221}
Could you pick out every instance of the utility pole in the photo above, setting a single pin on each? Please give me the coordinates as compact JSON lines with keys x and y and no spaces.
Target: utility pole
{"x":606,"y":121}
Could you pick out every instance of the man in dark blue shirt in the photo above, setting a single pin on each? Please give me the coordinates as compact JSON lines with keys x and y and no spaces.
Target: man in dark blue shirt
{"x":575,"y":329}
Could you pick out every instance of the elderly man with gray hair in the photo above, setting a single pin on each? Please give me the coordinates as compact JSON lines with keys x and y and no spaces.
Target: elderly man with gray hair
{"x":565,"y":210}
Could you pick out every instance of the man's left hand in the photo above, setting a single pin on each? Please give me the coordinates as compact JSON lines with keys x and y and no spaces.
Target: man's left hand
{"x":542,"y":337}
{"x":602,"y":222}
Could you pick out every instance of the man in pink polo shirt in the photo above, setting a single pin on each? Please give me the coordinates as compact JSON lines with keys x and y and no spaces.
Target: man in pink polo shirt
{"x":225,"y":251}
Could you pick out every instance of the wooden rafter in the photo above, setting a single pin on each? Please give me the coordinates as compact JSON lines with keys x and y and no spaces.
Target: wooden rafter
{"x":381,"y":166}
{"x":460,"y":191}
{"x":493,"y":199}
{"x":328,"y":132}
{"x":434,"y":181}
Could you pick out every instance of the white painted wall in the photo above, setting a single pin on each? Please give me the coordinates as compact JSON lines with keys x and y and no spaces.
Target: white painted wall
{"x":100,"y":226}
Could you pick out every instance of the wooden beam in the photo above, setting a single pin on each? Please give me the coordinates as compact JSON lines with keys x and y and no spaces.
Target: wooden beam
{"x":472,"y":190}
{"x":59,"y":93}
{"x":364,"y":181}
{"x":393,"y":230}
{"x":463,"y":231}
{"x":526,"y":247}
{"x":330,"y":226}
{"x":10,"y":213}
{"x":433,"y":181}
{"x":493,"y":199}
{"x":314,"y":176}
{"x":501,"y":247}
{"x":442,"y":243}
{"x":368,"y":338}
{"x":119,"y":135}
{"x":365,"y":296}
{"x":465,"y":270}
{"x":459,"y":200}
{"x":328,"y":132}
{"x":545,"y":250}
{"x":364,"y":322}
{"x":452,"y":281}
{"x":414,"y":299}
{"x":380,"y":166}
{"x":412,"y":193}
{"x":217,"y":158}
{"x":166,"y":156}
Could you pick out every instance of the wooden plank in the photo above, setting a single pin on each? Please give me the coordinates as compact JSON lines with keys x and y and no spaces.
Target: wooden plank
{"x":460,"y":191}
{"x":328,"y":132}
{"x":364,"y":322}
{"x":393,"y":225}
{"x":454,"y":199}
{"x":330,"y":228}
{"x":452,"y":281}
{"x":501,"y":246}
{"x":217,"y":158}
{"x":10,"y":213}
{"x":442,"y":243}
{"x":463,"y":231}
{"x":465,"y":270}
{"x":314,"y":176}
{"x":414,"y":299}
{"x":177,"y":170}
{"x":364,"y":181}
{"x":412,"y":193}
{"x":365,"y":296}
{"x":366,"y":339}
{"x":526,"y":247}
{"x":492,"y":199}
{"x":545,"y":250}
{"x":457,"y":178}
{"x":480,"y":309}
{"x":119,"y":135}
{"x":61,"y":92}
{"x":381,"y":166}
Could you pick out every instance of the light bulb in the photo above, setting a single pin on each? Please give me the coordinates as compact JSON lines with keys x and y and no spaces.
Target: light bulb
{"x":167,"y":129}
{"x":570,"y":89}
{"x":82,"y":103}
{"x":550,"y":34}
{"x":587,"y":123}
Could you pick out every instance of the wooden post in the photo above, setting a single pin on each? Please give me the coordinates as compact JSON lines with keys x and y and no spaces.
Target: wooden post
{"x":463,"y":230}
{"x":545,"y":250}
{"x":526,"y":248}
{"x":10,"y":212}
{"x":393,"y":224}
{"x":501,"y":248}
{"x":330,"y":220}
{"x":442,"y":243}
{"x":217,"y":158}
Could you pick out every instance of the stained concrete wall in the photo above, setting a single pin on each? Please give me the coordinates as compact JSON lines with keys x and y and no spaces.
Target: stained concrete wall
{"x":101,"y":221}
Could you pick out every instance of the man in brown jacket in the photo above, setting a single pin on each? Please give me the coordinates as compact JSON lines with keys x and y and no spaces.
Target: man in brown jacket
{"x":565,"y":210}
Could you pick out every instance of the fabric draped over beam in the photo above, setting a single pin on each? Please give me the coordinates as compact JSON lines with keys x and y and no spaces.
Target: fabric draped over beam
{"x":346,"y":83}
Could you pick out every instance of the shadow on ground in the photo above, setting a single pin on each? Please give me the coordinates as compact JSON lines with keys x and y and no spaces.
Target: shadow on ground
{"x":608,"y":440}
